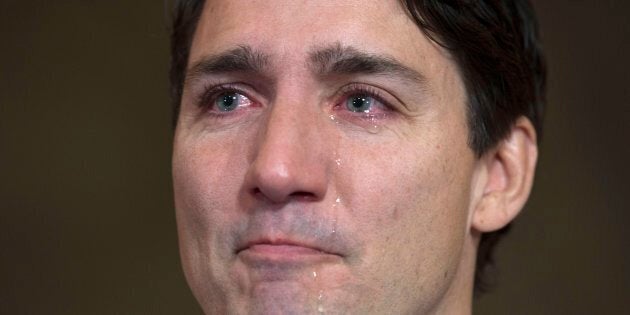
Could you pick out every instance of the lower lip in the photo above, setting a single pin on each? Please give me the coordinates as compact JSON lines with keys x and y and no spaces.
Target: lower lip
{"x":284,"y":253}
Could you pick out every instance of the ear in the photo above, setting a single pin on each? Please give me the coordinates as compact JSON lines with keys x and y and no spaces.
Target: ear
{"x":508,"y":174}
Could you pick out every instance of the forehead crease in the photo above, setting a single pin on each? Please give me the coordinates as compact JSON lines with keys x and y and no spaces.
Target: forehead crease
{"x":246,"y":57}
{"x":339,"y":59}
{"x":321,"y":58}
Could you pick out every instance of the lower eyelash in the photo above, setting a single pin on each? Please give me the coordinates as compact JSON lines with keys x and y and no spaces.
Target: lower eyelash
{"x":356,"y":89}
{"x":206,"y":99}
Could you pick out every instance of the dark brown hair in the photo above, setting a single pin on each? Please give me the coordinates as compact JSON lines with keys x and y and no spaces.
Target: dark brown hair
{"x":497,"y":50}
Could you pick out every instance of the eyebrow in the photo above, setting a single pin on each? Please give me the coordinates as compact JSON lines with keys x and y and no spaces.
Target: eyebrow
{"x":347,"y":60}
{"x":330,"y":60}
{"x":241,"y":59}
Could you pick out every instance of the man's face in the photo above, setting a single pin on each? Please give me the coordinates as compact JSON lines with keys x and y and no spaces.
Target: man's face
{"x":321,"y":162}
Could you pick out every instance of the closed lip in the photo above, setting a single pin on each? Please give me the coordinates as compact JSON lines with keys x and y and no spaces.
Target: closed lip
{"x":283,"y":248}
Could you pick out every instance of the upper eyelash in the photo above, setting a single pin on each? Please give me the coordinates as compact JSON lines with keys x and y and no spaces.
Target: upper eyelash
{"x":356,"y":88}
{"x":206,"y":98}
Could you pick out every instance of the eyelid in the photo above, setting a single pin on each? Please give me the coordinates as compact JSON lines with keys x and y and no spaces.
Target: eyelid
{"x":368,"y":90}
{"x":209,"y":93}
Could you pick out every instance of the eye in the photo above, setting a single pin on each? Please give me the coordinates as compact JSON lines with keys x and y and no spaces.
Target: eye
{"x":360,"y":103}
{"x":229,"y":101}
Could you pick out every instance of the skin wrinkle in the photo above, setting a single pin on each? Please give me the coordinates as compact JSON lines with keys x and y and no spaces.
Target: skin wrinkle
{"x":327,"y":62}
{"x":298,"y":224}
{"x":240,"y":59}
{"x":324,"y":61}
{"x":402,"y":198}
{"x":349,"y":60}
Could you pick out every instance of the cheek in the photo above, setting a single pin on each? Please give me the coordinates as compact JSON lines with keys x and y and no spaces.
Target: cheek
{"x":409,"y":202}
{"x":205,"y":185}
{"x":386,"y":184}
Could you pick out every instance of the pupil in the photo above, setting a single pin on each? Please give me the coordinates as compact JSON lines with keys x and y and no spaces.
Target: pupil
{"x":228,"y":102}
{"x":359,"y":103}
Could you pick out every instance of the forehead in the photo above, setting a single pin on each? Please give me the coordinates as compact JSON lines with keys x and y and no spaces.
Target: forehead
{"x":289,"y":30}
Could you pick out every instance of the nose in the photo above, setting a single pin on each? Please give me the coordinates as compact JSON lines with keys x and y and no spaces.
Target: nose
{"x":289,"y":159}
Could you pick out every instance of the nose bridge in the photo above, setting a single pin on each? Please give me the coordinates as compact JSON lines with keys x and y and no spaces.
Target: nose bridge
{"x":289,"y":127}
{"x":290,"y":158}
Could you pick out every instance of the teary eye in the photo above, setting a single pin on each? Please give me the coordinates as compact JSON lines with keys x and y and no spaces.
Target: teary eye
{"x":359,"y":103}
{"x":229,"y":101}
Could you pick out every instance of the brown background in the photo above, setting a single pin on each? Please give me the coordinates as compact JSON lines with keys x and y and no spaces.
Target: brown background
{"x":86,"y":215}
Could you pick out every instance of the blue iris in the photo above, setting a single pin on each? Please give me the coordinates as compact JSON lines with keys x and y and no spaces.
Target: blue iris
{"x":228,"y":102}
{"x":359,"y":103}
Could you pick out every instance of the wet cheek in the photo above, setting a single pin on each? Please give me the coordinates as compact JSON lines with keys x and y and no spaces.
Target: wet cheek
{"x":374,"y":184}
{"x":388,"y":190}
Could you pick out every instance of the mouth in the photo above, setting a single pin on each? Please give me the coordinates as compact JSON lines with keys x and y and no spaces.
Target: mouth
{"x":284,"y":251}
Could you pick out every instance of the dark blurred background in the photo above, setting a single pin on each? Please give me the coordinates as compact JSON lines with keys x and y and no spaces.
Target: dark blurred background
{"x":86,"y":212}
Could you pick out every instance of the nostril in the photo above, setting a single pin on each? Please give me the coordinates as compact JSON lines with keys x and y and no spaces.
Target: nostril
{"x":257,"y":192}
{"x":295,"y":196}
{"x":303,"y":196}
